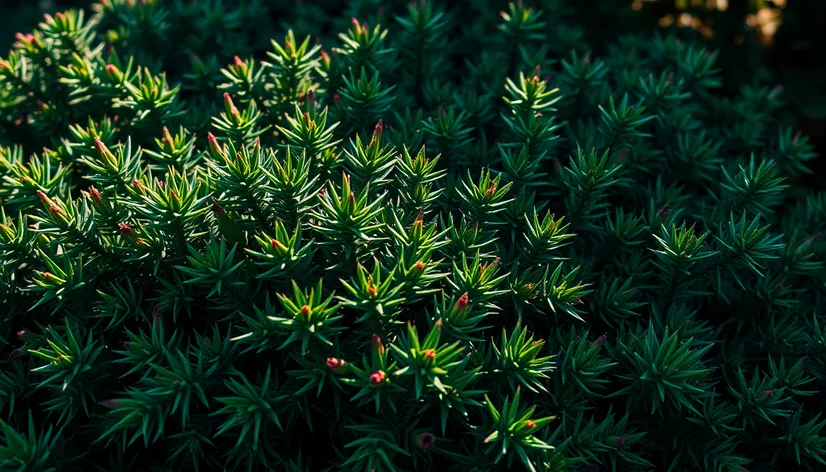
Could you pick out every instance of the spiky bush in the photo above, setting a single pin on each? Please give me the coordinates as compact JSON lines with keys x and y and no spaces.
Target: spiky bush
{"x":406,"y":249}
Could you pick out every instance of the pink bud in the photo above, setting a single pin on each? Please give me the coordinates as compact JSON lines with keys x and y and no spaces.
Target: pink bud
{"x":377,"y":377}
{"x":214,"y":147}
{"x":101,"y":148}
{"x":167,"y":137}
{"x":426,"y":440}
{"x":463,"y":302}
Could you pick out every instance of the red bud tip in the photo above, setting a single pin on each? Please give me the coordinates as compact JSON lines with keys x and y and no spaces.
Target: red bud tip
{"x":621,"y":441}
{"x":48,"y":276}
{"x":111,"y":68}
{"x":769,"y":393}
{"x":42,"y":196}
{"x":430,"y":354}
{"x":20,"y":334}
{"x":530,"y":424}
{"x":463,"y":302}
{"x":336,"y":98}
{"x":26,"y":38}
{"x":305,"y":310}
{"x":101,"y":148}
{"x":377,"y":377}
{"x":379,"y":126}
{"x":238,"y":61}
{"x":138,"y":185}
{"x":372,"y":290}
{"x":334,"y":364}
{"x":419,"y":265}
{"x":125,"y":229}
{"x":54,"y":209}
{"x":352,"y":198}
{"x":311,"y":97}
{"x":277,"y":245}
{"x":426,"y":440}
{"x":376,"y":340}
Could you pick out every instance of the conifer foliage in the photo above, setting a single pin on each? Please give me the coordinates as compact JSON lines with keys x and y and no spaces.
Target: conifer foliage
{"x":425,"y":236}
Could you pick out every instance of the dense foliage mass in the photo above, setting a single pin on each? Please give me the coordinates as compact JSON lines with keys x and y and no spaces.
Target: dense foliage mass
{"x":455,"y":240}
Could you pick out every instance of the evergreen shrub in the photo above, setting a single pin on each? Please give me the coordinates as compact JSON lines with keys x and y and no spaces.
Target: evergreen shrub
{"x":457,"y":239}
